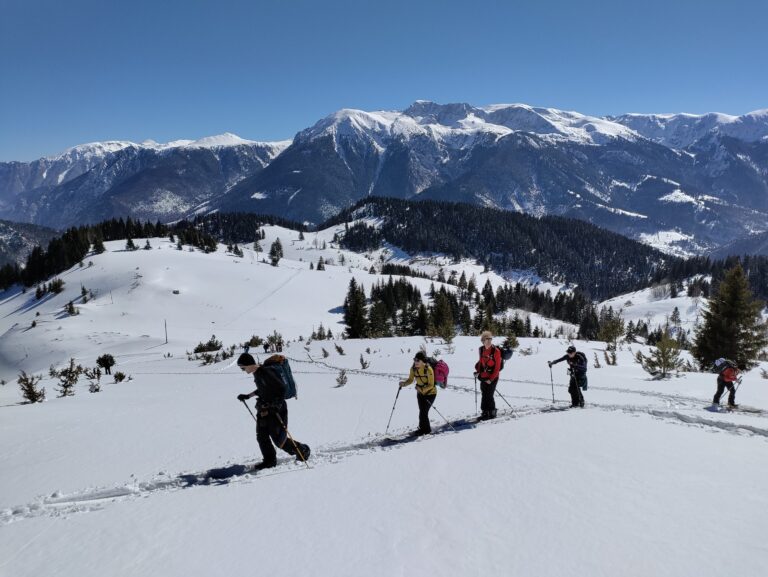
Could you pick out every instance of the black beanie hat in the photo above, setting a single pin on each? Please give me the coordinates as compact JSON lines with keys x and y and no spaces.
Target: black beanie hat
{"x":570,"y":349}
{"x":420,"y":356}
{"x":245,"y":360}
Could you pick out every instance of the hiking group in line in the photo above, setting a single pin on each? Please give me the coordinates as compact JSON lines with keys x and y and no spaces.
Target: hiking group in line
{"x":274,"y":384}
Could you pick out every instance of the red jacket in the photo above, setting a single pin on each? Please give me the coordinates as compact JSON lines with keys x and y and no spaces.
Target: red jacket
{"x":730,"y":374}
{"x":489,"y":365}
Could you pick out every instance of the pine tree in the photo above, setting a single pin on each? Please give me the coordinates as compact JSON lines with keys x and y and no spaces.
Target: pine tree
{"x":355,"y":311}
{"x":129,"y":244}
{"x":276,"y":252}
{"x":320,"y":264}
{"x":732,"y":325}
{"x":378,"y":321}
{"x":28,"y":386}
{"x":68,"y":378}
{"x":675,"y":317}
{"x":98,"y":244}
{"x":665,"y":358}
{"x":106,"y":362}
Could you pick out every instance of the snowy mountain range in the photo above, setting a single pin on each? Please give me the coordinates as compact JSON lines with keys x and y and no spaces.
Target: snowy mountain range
{"x":685,"y":183}
{"x":151,"y":181}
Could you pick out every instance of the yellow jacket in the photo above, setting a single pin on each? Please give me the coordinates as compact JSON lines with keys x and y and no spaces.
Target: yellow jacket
{"x":425,"y":380}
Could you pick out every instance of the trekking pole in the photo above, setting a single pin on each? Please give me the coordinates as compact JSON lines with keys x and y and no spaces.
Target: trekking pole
{"x":503,"y":399}
{"x":552,"y":382}
{"x":249,"y":410}
{"x":432,"y":406}
{"x":475,"y":394}
{"x":736,"y":388}
{"x":399,"y":388}
{"x":295,"y":446}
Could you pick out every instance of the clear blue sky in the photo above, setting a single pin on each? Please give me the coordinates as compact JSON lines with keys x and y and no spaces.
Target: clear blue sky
{"x":78,"y":71}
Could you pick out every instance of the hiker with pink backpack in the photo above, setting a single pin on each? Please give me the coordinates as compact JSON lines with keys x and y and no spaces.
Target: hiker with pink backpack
{"x":427,"y":380}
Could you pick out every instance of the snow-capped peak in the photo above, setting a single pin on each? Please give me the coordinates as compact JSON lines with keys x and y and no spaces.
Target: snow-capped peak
{"x":101,"y":149}
{"x":683,"y":129}
{"x":456,"y":121}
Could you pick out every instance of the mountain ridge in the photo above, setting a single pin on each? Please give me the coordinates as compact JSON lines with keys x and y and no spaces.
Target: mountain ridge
{"x":698,"y":181}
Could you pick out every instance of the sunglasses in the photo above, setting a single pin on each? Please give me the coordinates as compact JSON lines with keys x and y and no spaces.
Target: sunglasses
{"x":486,"y":339}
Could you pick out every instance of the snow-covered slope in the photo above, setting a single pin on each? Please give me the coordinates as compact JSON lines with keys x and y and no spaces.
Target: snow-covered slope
{"x":642,"y":482}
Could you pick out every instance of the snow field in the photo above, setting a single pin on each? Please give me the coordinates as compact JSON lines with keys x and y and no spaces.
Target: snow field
{"x":643,"y":481}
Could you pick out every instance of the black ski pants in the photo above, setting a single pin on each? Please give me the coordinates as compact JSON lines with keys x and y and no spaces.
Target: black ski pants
{"x":487,"y":400}
{"x":425,"y":403}
{"x":577,"y":399}
{"x":722,"y":384}
{"x":270,"y":429}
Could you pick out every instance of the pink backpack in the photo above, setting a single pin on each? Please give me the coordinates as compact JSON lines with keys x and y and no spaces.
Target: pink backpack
{"x":441,"y":370}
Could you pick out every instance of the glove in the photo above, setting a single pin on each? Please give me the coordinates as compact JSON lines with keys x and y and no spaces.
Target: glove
{"x":475,"y":374}
{"x":550,"y":364}
{"x":242,"y":397}
{"x":402,"y":384}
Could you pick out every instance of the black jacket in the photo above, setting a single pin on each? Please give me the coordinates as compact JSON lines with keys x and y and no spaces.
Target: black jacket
{"x":578,"y":364}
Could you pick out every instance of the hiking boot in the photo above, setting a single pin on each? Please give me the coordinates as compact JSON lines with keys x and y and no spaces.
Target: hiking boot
{"x":733,"y":406}
{"x":305,"y":452}
{"x":265,"y":465}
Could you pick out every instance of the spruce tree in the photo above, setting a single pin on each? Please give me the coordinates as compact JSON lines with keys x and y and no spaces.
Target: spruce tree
{"x":354,"y":311}
{"x":733,"y":327}
{"x":28,"y":386}
{"x":98,"y":245}
{"x":665,"y":358}
{"x":276,"y":252}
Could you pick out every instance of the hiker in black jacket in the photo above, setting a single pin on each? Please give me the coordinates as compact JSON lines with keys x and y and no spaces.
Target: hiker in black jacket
{"x":271,"y":414}
{"x":577,"y":368}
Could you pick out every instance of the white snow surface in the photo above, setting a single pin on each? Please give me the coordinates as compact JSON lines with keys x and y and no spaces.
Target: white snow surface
{"x":643,"y":481}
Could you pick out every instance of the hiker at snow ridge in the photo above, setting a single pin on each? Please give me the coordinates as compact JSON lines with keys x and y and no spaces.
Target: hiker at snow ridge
{"x":487,"y":370}
{"x":271,"y":413}
{"x":727,"y":374}
{"x":426,"y":392}
{"x":577,"y":368}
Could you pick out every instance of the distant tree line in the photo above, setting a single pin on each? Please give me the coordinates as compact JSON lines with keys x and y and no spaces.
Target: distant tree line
{"x":239,"y":227}
{"x":567,"y":251}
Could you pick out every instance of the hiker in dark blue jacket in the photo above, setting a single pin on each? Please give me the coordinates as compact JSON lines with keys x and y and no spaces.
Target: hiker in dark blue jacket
{"x":271,"y":414}
{"x":577,"y":368}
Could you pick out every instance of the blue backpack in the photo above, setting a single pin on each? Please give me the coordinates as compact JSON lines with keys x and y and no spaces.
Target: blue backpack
{"x":278,"y":366}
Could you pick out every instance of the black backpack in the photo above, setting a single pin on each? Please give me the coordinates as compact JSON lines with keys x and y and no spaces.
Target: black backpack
{"x":583,"y":360}
{"x":721,"y":364}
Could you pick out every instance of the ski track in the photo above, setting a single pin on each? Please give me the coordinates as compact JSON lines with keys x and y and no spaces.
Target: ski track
{"x":95,"y":498}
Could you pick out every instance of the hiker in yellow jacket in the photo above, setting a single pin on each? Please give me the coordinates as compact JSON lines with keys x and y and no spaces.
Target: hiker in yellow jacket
{"x":426,"y":391}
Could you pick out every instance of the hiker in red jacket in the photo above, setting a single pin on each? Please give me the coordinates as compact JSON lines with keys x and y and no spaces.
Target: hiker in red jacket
{"x":487,"y":370}
{"x":728,"y":373}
